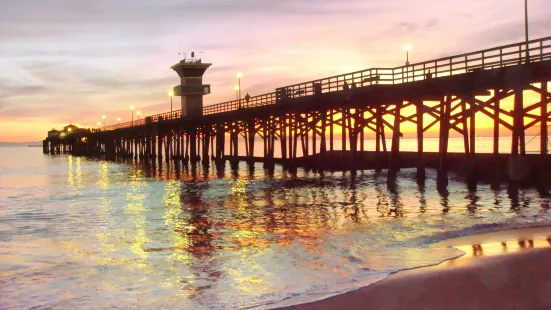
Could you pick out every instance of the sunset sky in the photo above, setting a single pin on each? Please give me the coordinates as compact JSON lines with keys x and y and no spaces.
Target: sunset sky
{"x":67,"y":61}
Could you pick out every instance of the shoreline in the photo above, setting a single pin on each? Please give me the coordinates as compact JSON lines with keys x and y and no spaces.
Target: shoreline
{"x":502,"y":270}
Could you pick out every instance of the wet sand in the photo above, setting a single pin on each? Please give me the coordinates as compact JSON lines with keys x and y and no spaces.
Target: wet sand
{"x":504,"y":270}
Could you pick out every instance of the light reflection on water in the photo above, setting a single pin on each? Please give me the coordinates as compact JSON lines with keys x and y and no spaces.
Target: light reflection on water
{"x":99,"y":234}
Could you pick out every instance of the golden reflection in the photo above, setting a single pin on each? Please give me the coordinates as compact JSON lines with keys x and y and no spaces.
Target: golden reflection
{"x":246,"y":232}
{"x":70,"y":174}
{"x":173,"y":221}
{"x":74,"y":173}
{"x":104,"y":180}
{"x":382,"y":200}
{"x":105,"y":235}
{"x":239,"y":199}
{"x":494,"y":249}
{"x":499,"y":248}
{"x":296,"y":217}
{"x":78,"y":179}
{"x":73,"y":246}
{"x":74,"y":182}
{"x":135,"y":209}
{"x":238,"y":186}
{"x":245,"y":279}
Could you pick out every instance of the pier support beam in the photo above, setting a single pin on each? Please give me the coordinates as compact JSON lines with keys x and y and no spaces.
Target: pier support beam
{"x":187,"y":148}
{"x":442,"y":174}
{"x":178,"y":145}
{"x":220,"y":144}
{"x":419,"y":105}
{"x":283,"y":137}
{"x":518,"y":125}
{"x":331,"y":133}
{"x":471,"y":158}
{"x":516,"y":162}
{"x":251,"y":133}
{"x":544,"y":139}
{"x":379,"y":139}
{"x":344,"y":113}
{"x":193,"y":146}
{"x":323,"y":141}
{"x":394,"y":164}
{"x":153,"y":146}
{"x":544,"y":173}
{"x":496,"y":180}
{"x":205,"y":159}
{"x":354,"y":131}
{"x":234,"y":146}
{"x":270,"y":161}
{"x":160,"y":139}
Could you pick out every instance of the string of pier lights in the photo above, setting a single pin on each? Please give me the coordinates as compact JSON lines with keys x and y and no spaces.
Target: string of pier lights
{"x":237,"y":88}
{"x":171,"y":95}
{"x":104,"y":117}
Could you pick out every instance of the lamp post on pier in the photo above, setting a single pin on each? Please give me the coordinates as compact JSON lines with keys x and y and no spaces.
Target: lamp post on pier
{"x":103,"y":117}
{"x":138,"y":113}
{"x":407,"y":47}
{"x":171,"y":94}
{"x":99,"y":126}
{"x":526,"y":30}
{"x":132,"y":109}
{"x":118,"y":120}
{"x":239,"y":76}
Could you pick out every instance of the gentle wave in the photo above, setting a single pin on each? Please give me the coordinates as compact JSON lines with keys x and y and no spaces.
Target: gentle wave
{"x":373,"y":278}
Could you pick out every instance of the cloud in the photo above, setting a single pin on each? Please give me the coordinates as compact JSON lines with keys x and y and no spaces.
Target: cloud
{"x":513,"y":31}
{"x":31,"y":19}
{"x":408,"y":26}
{"x":31,"y":90}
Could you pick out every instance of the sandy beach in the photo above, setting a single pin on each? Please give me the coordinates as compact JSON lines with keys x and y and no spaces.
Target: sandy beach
{"x":502,"y":270}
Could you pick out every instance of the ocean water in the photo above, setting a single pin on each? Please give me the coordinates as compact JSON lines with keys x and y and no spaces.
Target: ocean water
{"x":87,"y":233}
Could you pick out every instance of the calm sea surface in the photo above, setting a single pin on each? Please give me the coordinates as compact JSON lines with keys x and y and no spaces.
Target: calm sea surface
{"x":86,"y":233}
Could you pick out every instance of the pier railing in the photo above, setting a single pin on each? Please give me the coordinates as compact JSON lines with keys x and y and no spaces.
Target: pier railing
{"x":498,"y":57}
{"x":252,"y":102}
{"x":141,"y":122}
{"x":502,"y":56}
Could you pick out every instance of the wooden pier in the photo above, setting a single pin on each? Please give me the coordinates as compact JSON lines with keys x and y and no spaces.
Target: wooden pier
{"x":303,"y":123}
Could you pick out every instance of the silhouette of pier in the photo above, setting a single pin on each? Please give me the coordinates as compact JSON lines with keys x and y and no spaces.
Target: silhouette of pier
{"x":303,"y":123}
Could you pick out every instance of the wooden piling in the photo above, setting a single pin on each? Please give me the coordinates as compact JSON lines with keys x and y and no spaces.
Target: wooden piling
{"x":419,"y":105}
